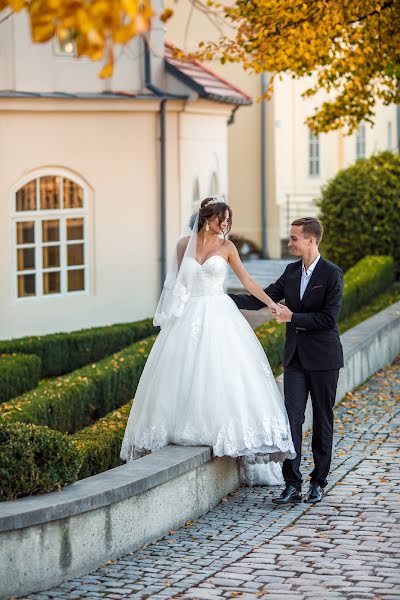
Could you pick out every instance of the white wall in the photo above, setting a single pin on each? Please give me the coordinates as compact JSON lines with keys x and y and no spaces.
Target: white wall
{"x":37,"y":68}
{"x":121,"y":173}
{"x":203,"y":150}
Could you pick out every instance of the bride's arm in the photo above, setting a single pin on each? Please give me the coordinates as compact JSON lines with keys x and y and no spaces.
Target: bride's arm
{"x":180,"y":250}
{"x":247,"y":282}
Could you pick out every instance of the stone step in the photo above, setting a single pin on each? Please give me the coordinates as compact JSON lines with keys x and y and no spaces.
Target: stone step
{"x":263,"y":271}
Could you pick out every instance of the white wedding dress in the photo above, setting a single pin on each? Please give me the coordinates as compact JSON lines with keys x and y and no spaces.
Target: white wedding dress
{"x":208,"y":382}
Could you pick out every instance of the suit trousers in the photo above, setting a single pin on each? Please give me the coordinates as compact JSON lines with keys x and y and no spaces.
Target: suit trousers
{"x":321,"y":385}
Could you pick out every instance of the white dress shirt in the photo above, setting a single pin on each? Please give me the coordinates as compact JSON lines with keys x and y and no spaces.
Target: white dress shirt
{"x":306,"y":275}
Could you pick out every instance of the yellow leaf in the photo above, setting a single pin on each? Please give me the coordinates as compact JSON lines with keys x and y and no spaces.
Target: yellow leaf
{"x":106,"y":72}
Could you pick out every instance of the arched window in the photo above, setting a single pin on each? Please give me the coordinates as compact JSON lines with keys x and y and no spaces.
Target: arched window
{"x":213,"y":184}
{"x":51,"y":236}
{"x":196,"y":195}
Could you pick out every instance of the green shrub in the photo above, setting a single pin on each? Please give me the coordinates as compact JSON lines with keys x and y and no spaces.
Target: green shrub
{"x":100,"y":444}
{"x":18,"y":373}
{"x":363,"y":282}
{"x":271,"y":336}
{"x":360,"y":211}
{"x":64,"y":352}
{"x":35,"y":460}
{"x":73,"y":401}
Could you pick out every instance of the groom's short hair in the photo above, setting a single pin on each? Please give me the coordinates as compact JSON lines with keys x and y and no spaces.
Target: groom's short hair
{"x":311,"y":227}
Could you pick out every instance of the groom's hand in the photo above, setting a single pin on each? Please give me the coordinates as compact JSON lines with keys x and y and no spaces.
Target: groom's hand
{"x":284,"y":316}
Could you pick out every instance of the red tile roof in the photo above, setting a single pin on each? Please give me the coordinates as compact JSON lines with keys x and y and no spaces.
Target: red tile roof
{"x":203,"y":80}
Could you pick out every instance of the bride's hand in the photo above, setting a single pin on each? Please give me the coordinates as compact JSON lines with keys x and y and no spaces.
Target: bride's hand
{"x":274,"y":308}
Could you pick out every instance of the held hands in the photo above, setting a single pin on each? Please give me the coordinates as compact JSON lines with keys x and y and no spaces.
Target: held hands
{"x":273,"y":307}
{"x":282,"y":314}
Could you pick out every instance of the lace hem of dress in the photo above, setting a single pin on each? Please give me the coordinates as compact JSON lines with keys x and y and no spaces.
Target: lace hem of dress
{"x":269,"y":442}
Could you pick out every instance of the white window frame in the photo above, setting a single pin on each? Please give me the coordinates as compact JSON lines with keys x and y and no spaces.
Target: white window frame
{"x":38,"y":216}
{"x":313,"y":154}
{"x":361,"y":141}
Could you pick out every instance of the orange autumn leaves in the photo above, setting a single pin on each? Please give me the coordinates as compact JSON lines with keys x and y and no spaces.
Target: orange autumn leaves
{"x":96,"y":26}
{"x":351,"y":47}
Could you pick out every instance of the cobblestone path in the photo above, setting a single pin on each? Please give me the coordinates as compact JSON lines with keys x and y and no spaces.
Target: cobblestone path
{"x":348,"y":546}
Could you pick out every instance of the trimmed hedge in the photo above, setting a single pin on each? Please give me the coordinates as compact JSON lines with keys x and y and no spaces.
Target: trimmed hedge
{"x":100,"y":444}
{"x":35,"y":460}
{"x":64,"y":352}
{"x":363,"y":282}
{"x":73,"y":401}
{"x":360,"y":211}
{"x":18,"y":373}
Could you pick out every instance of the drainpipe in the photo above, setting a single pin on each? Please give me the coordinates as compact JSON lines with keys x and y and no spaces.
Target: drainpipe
{"x":162,"y":160}
{"x":163,"y":196}
{"x":231,"y":119}
{"x":264,"y":237}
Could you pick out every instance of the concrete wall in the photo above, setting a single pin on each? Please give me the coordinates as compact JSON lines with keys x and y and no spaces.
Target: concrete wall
{"x":71,"y":533}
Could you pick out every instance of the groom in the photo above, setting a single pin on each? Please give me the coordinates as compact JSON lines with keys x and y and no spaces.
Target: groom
{"x":312,"y":288}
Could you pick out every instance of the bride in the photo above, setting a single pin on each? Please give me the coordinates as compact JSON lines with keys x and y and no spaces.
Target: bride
{"x":207,"y":380}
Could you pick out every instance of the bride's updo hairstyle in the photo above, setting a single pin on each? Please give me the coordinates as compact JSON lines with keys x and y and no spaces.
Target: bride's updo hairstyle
{"x":210,"y":209}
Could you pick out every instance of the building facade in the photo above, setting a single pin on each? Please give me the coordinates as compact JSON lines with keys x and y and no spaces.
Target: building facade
{"x":97,"y":178}
{"x":276,"y":167}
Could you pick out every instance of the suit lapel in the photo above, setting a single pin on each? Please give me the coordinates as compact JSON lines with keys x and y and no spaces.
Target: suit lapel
{"x":312,"y":281}
{"x":297,"y":284}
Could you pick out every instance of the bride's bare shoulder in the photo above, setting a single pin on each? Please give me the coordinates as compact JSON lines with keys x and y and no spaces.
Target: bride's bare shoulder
{"x":230,"y":246}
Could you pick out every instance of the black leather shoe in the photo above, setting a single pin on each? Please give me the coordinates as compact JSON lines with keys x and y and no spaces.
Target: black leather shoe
{"x":314,"y":494}
{"x":289,"y":496}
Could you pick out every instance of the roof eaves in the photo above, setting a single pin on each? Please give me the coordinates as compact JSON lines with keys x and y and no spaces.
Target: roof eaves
{"x":241,"y":100}
{"x":92,"y":96}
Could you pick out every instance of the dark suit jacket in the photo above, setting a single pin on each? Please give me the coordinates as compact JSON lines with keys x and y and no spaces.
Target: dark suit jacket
{"x":314,"y":326}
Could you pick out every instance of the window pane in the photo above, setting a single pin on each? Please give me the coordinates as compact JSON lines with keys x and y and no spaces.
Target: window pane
{"x":26,"y":232}
{"x":51,"y":283}
{"x":26,"y":285}
{"x":49,"y":192}
{"x":73,"y":194}
{"x":74,"y":229}
{"x":51,"y":230}
{"x":76,"y":280}
{"x":26,"y":197}
{"x":51,"y":256}
{"x":25,"y":258}
{"x":75,"y":255}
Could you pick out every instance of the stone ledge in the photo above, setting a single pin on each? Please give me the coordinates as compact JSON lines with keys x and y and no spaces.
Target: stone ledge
{"x":103,"y":489}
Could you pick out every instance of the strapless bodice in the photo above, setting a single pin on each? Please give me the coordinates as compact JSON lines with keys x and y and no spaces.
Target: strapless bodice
{"x":208,"y":278}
